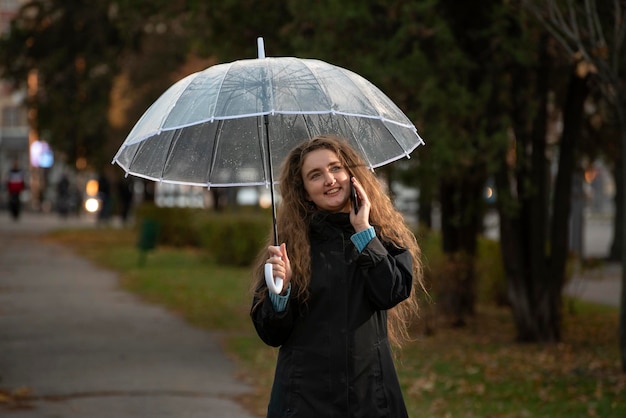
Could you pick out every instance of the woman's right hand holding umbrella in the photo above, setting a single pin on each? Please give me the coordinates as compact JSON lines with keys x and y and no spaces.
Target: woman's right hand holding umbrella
{"x":279,"y":268}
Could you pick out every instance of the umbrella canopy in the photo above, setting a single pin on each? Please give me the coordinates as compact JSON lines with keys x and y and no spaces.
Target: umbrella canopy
{"x":231,"y":123}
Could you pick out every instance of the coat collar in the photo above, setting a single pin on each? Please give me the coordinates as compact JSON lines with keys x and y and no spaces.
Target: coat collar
{"x":326,"y":225}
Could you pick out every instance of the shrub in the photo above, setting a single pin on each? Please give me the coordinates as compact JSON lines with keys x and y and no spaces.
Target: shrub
{"x":489,"y":270}
{"x":176,"y":226}
{"x":234,"y":239}
{"x":490,"y":273}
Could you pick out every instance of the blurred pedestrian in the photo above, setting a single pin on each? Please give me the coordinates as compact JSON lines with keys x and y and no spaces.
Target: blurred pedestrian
{"x":63,"y":196}
{"x":125,"y":195}
{"x":16,"y":183}
{"x":104,"y":194}
{"x":349,"y":288}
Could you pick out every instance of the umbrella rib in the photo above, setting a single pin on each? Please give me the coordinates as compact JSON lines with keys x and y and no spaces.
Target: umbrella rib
{"x":360,"y":146}
{"x":131,"y":159}
{"x":218,"y":135}
{"x":406,"y":152}
{"x":306,"y":125}
{"x":138,"y":150}
{"x":188,"y":80}
{"x":170,"y":147}
{"x":228,"y":68}
{"x":322,"y":87}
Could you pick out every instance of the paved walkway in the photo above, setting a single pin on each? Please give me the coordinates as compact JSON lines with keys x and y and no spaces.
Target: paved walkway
{"x":600,"y":285}
{"x":74,"y":345}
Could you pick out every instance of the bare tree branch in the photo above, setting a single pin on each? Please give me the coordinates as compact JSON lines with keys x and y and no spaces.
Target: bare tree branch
{"x":572,"y":19}
{"x":619,"y":32}
{"x":537,"y":12}
{"x":595,"y":27}
{"x":590,"y":44}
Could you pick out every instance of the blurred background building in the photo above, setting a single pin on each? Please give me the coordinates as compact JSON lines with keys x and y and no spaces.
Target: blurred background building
{"x":14,"y":132}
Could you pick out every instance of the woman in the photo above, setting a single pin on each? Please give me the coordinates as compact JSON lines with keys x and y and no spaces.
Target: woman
{"x":348,"y":288}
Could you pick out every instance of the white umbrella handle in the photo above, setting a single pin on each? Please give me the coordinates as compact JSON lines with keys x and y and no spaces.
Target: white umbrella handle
{"x":274,"y":286}
{"x":260,"y":47}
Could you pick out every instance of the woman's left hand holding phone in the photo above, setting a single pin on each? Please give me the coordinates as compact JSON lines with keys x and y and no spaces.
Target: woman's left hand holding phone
{"x":360,"y":220}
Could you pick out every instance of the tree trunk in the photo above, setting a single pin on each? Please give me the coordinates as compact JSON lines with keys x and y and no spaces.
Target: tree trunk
{"x":461,"y":222}
{"x":534,"y":264}
{"x":616,"y":247}
{"x":425,"y":209}
{"x":621,"y":115}
{"x":547,"y":273}
{"x":550,"y":300}
{"x":523,"y":206}
{"x":423,"y":178}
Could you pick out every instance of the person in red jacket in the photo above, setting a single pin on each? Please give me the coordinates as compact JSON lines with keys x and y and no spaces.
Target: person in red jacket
{"x":349,"y":281}
{"x":15,"y":185}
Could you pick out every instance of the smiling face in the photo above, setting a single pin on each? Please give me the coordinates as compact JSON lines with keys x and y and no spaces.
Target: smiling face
{"x":326,"y":181}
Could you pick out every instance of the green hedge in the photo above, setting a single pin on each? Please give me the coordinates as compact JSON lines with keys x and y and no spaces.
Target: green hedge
{"x":235,"y":237}
{"x":490,"y":272}
{"x":230,"y":237}
{"x":490,"y":285}
{"x":177,"y":227}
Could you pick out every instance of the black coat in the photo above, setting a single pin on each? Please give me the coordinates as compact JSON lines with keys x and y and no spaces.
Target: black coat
{"x":334,"y":358}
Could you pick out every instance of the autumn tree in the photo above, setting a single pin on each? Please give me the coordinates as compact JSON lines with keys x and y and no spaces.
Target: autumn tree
{"x":71,"y":47}
{"x":593,"y":34}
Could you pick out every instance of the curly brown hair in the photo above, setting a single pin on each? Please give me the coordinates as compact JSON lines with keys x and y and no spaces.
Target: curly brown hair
{"x":295,"y":212}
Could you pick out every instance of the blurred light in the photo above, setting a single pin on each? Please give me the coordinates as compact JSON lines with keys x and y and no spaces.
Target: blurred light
{"x":92,"y":205}
{"x":41,"y":155}
{"x":92,"y":187}
{"x":265,"y":200}
{"x":81,"y":163}
{"x":247,"y":196}
{"x":488,"y":192}
{"x":590,"y":175}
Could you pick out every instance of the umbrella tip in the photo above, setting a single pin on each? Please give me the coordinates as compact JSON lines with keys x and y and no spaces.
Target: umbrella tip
{"x":260,"y":47}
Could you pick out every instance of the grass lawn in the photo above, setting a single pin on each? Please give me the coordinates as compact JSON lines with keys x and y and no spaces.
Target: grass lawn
{"x":476,"y":371}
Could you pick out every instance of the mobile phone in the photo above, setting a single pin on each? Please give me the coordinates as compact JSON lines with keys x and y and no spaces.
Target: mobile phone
{"x":355,"y":199}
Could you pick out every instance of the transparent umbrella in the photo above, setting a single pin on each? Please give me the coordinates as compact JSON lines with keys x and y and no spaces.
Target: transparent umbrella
{"x":232,"y":124}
